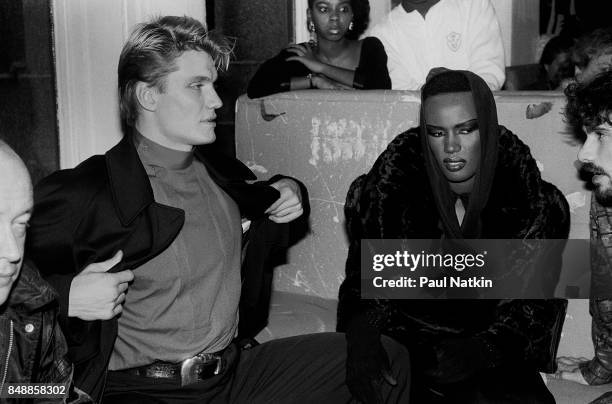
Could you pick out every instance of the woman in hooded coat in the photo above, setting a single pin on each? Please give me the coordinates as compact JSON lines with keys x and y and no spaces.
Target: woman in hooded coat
{"x":460,"y":175}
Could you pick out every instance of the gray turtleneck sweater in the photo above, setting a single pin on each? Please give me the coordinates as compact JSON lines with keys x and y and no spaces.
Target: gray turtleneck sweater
{"x":185,"y":300}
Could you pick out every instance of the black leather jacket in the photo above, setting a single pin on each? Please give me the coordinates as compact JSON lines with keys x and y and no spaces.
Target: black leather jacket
{"x":599,"y":369}
{"x":32,"y":347}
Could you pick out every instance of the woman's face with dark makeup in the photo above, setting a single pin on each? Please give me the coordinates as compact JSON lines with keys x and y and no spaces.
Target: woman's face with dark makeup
{"x":454,"y":137}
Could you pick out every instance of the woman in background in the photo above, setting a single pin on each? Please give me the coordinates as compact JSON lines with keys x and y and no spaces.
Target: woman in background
{"x":333,"y":59}
{"x":556,"y":65}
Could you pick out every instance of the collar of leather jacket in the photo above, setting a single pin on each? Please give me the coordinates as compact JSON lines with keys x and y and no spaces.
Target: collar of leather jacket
{"x":30,"y":292}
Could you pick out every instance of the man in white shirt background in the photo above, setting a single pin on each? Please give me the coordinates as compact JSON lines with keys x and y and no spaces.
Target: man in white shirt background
{"x":419,"y":35}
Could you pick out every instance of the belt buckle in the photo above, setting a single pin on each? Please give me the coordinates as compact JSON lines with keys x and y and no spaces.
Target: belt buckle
{"x":190,"y":368}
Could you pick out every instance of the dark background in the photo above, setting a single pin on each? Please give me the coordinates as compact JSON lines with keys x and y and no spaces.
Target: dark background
{"x":28,"y":117}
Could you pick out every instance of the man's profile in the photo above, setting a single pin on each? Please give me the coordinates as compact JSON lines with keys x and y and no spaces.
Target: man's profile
{"x":589,"y":111}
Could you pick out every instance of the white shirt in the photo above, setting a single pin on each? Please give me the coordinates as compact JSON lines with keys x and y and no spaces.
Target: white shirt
{"x":457,"y":34}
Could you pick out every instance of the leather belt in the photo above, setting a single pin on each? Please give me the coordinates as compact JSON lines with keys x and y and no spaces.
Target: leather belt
{"x":192,"y":370}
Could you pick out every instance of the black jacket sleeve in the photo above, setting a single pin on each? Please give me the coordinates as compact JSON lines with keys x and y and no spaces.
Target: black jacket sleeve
{"x":50,"y":240}
{"x":372,"y":71}
{"x":274,"y":75}
{"x":351,"y":308}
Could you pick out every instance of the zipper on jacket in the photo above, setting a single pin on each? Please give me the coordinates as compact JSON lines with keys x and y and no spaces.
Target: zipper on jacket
{"x":8,"y":356}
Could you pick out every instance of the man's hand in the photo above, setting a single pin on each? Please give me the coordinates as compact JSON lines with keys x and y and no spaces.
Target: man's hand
{"x":569,"y":369}
{"x":289,"y":206}
{"x":96,"y":294}
{"x":367,"y":365}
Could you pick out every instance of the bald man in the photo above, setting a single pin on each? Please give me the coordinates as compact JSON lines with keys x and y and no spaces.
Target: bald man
{"x":15,"y":209}
{"x":32,"y":347}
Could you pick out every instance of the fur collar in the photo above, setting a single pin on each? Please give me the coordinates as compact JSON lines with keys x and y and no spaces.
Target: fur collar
{"x":394,"y":200}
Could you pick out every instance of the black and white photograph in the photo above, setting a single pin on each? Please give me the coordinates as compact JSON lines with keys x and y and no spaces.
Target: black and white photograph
{"x":306,"y":201}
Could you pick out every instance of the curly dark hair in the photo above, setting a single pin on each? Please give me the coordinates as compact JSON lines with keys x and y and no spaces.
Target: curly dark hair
{"x":361,"y":17}
{"x":591,"y":45}
{"x":589,"y":104}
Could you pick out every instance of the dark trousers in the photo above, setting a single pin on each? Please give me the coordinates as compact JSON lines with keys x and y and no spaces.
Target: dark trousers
{"x":505,"y":385}
{"x":303,"y":369}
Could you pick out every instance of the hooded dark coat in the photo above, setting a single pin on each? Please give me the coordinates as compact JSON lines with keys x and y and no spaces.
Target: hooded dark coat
{"x":405,"y":196}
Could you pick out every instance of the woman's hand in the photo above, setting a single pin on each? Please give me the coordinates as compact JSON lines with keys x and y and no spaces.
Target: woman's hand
{"x":305,"y":55}
{"x":325,"y":83}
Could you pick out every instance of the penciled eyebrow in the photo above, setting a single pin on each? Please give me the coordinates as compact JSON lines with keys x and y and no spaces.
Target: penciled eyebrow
{"x":471,"y":121}
{"x":326,"y":3}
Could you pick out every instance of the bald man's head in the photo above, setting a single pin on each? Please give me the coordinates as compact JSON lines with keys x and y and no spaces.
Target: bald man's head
{"x":15,"y":210}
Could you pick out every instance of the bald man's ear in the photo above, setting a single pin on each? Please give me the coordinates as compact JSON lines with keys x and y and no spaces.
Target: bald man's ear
{"x":147,"y":96}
